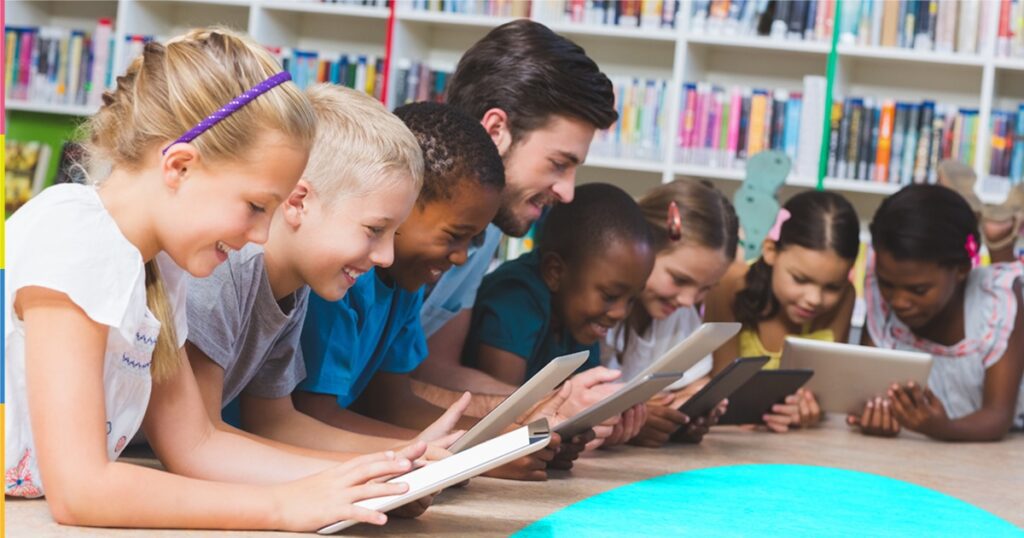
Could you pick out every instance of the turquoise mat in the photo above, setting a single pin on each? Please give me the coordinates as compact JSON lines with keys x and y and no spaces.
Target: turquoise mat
{"x":772,"y":500}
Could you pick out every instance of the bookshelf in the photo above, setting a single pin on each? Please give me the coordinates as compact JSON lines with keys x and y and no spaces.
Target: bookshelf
{"x":982,"y":80}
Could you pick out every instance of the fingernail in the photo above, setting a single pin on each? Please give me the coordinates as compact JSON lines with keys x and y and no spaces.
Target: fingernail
{"x":390,"y":454}
{"x":871,"y":403}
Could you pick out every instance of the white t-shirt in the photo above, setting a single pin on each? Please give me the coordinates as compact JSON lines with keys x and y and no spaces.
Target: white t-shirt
{"x":65,"y":240}
{"x":640,"y":351}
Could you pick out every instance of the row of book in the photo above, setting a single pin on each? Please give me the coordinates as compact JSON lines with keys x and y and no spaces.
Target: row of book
{"x":1007,"y":152}
{"x":27,"y":167}
{"x":810,"y":20}
{"x":623,"y":13}
{"x":491,"y":8}
{"x":722,"y":127}
{"x":942,"y":26}
{"x":60,"y":66}
{"x":643,"y":120}
{"x":898,"y":142}
{"x":366,"y":3}
{"x":1010,"y":32}
{"x":308,"y":67}
{"x":416,"y":82}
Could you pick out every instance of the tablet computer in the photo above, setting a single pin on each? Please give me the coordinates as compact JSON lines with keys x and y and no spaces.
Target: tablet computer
{"x":686,"y":354}
{"x":639,"y":390}
{"x":846,"y":376}
{"x":756,"y":397}
{"x":457,"y":468}
{"x":722,"y":386}
{"x":525,"y":397}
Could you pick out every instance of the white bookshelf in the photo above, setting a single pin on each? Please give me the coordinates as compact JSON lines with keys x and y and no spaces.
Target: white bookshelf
{"x":981,"y":81}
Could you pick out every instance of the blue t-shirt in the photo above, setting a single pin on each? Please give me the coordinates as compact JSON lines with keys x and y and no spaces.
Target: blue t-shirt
{"x":513,"y":313}
{"x":374,"y":328}
{"x":456,"y":290}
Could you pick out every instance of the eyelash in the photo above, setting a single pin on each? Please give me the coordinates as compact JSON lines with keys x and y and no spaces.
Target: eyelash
{"x":375,"y":231}
{"x":559,"y":167}
{"x":256,"y":209}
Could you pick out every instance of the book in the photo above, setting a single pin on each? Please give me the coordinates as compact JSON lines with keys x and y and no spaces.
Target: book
{"x":27,"y":166}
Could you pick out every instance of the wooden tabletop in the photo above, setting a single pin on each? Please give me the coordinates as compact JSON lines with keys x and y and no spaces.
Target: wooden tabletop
{"x":989,"y":476}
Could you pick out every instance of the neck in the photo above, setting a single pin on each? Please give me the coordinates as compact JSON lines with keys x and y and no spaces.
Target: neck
{"x":947,"y":328}
{"x":284,"y":278}
{"x":639,"y":319}
{"x":128,"y":197}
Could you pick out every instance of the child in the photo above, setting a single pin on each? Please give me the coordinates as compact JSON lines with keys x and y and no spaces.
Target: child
{"x":592,"y":259}
{"x":925,"y":292}
{"x":363,"y":175}
{"x":94,"y":342}
{"x":695,"y":235}
{"x":799,"y":286}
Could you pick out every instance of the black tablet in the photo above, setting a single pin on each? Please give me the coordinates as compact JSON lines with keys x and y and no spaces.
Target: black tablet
{"x":757,"y":396}
{"x":722,"y":386}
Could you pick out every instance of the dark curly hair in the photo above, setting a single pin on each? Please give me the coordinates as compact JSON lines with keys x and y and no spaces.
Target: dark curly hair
{"x":455,"y":148}
{"x":598,"y":215}
{"x":819,"y":220}
{"x":927,"y":223}
{"x":531,"y":73}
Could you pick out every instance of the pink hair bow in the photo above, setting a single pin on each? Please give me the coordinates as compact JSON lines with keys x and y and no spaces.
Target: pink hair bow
{"x":780,"y":219}
{"x":971,"y":246}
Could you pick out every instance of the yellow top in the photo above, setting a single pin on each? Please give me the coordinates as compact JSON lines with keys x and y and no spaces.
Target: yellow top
{"x":750,"y":345}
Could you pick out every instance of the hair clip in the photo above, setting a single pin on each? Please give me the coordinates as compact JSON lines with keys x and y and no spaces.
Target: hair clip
{"x":971,"y":246}
{"x":776,"y":232}
{"x":674,"y":222}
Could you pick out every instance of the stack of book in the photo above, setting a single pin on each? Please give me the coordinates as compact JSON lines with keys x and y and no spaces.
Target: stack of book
{"x":27,"y":164}
{"x":490,"y":8}
{"x":791,"y":19}
{"x":309,"y":67}
{"x":943,"y":26}
{"x":643,"y":119}
{"x":417,"y":81}
{"x":1007,"y":157}
{"x":723,"y":127}
{"x":898,"y":142}
{"x":1010,"y":32}
{"x":59,"y":66}
{"x":623,"y":13}
{"x":368,"y":3}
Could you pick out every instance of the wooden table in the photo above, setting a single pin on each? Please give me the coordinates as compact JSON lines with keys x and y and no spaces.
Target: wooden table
{"x":990,"y":476}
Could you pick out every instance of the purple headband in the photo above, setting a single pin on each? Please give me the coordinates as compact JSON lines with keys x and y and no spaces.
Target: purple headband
{"x":230,"y":108}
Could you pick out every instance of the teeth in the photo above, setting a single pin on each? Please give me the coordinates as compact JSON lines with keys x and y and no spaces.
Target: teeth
{"x":352,"y":274}
{"x":221,"y":246}
{"x":435,"y":273}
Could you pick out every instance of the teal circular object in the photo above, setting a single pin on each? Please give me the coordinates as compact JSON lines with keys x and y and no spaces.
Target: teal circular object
{"x":771,"y":500}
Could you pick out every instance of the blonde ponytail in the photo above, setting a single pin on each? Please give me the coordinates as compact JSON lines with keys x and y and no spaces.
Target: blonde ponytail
{"x":165,"y":354}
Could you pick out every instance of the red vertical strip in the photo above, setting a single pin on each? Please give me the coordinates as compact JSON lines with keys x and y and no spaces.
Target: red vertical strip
{"x":389,"y":40}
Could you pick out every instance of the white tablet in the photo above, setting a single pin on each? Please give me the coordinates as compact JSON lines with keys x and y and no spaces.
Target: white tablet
{"x":525,"y":397}
{"x":846,"y":376}
{"x":457,"y":468}
{"x":639,"y":390}
{"x":686,"y":354}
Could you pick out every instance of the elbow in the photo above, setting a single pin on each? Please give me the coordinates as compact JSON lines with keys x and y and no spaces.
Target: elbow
{"x":74,"y":505}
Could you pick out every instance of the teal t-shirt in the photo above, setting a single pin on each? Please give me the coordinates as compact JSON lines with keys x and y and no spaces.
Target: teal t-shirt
{"x":513,"y":313}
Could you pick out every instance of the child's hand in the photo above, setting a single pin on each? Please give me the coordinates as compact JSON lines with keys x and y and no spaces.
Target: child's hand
{"x":413,"y":509}
{"x":633,"y":419}
{"x":662,"y":421}
{"x":442,"y":431}
{"x":695,"y":431}
{"x":918,"y":410}
{"x":532,"y":467}
{"x":798,"y":410}
{"x":591,"y":387}
{"x":329,"y":496}
{"x":570,"y":451}
{"x":876,"y":419}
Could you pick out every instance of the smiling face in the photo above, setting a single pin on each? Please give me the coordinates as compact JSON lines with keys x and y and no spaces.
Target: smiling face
{"x":807,"y":283}
{"x":336,"y":243}
{"x":219,"y":207}
{"x":540,"y":170}
{"x":682,"y":277}
{"x":437,"y":234}
{"x":917,"y":291}
{"x":595,"y":296}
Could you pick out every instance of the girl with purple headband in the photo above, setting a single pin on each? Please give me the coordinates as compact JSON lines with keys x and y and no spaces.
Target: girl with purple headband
{"x":95,"y":298}
{"x":926,"y":292}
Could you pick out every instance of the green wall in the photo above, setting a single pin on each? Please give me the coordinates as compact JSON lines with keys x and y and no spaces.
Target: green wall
{"x":52,"y":129}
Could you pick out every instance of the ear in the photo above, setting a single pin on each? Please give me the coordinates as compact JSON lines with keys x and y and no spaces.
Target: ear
{"x":962,"y":272}
{"x":769,"y":252}
{"x":495,"y":122}
{"x":552,"y":271}
{"x":297,"y":205}
{"x":176,"y":163}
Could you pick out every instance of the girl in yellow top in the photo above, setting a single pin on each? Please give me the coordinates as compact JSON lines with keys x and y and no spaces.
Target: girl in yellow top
{"x":799,"y":286}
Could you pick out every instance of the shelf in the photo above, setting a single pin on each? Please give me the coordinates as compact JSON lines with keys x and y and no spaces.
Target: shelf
{"x":710,"y":172}
{"x":760,"y":43}
{"x":238,"y":3}
{"x":602,"y":30}
{"x":455,"y":19}
{"x":46,"y":108}
{"x":327,"y":9}
{"x":1009,"y":64}
{"x":848,"y":185}
{"x":618,"y":163}
{"x":911,"y":55}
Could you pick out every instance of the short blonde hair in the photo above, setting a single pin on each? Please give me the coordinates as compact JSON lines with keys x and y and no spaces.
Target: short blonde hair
{"x":360,"y":147}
